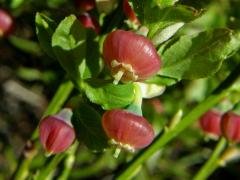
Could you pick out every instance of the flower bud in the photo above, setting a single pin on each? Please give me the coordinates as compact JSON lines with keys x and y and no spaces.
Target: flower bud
{"x":128,"y":11}
{"x":231,"y":126}
{"x":210,"y":123}
{"x":130,"y":57}
{"x":6,"y":23}
{"x":85,"y":5}
{"x":89,"y":22}
{"x":56,"y":132}
{"x":127,"y":130}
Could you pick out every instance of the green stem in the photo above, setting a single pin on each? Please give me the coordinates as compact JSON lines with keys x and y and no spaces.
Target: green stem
{"x":25,"y":45}
{"x":136,"y":105}
{"x":56,"y":103}
{"x":86,"y":172}
{"x":68,"y":163}
{"x":58,"y":100}
{"x":162,"y":139}
{"x":48,"y":171}
{"x":212,"y":162}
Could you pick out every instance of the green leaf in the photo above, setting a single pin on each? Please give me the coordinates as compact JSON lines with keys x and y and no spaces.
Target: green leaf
{"x":166,"y":33}
{"x":76,"y":49}
{"x":165,"y":3}
{"x":55,"y":3}
{"x":151,"y":90}
{"x":25,"y":45}
{"x":69,"y":45}
{"x":93,"y":61}
{"x":161,"y":80}
{"x":108,"y":95}
{"x":210,"y":19}
{"x":45,"y":28}
{"x":14,"y":4}
{"x":88,"y":127}
{"x":198,"y":56}
{"x":136,"y":105}
{"x":157,"y":19}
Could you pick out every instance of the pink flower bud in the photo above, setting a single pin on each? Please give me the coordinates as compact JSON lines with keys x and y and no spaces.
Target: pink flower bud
{"x":89,"y":22}
{"x":85,"y":5}
{"x":56,"y":132}
{"x":210,"y":123}
{"x":127,"y":130}
{"x":6,"y":23}
{"x":130,"y":57}
{"x":231,"y":126}
{"x":128,"y":11}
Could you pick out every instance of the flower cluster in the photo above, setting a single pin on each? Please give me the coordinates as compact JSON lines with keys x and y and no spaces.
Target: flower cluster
{"x":215,"y":123}
{"x":130,"y":57}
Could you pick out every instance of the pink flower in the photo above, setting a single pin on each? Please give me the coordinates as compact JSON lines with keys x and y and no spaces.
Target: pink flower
{"x":89,"y":22}
{"x":128,"y":11}
{"x":56,"y":132}
{"x":210,"y":122}
{"x":231,"y":126}
{"x":130,"y":57}
{"x":127,"y":130}
{"x":6,"y":23}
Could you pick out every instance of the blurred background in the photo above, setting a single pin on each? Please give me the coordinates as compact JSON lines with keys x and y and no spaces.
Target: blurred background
{"x":29,"y":79}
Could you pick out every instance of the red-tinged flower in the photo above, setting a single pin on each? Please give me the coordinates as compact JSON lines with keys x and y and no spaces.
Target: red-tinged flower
{"x":56,"y":132}
{"x":85,"y":5}
{"x":89,"y":22}
{"x":231,"y":126}
{"x":210,"y":123}
{"x":128,"y":11}
{"x":130,"y":57}
{"x":127,"y":130}
{"x":6,"y":23}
